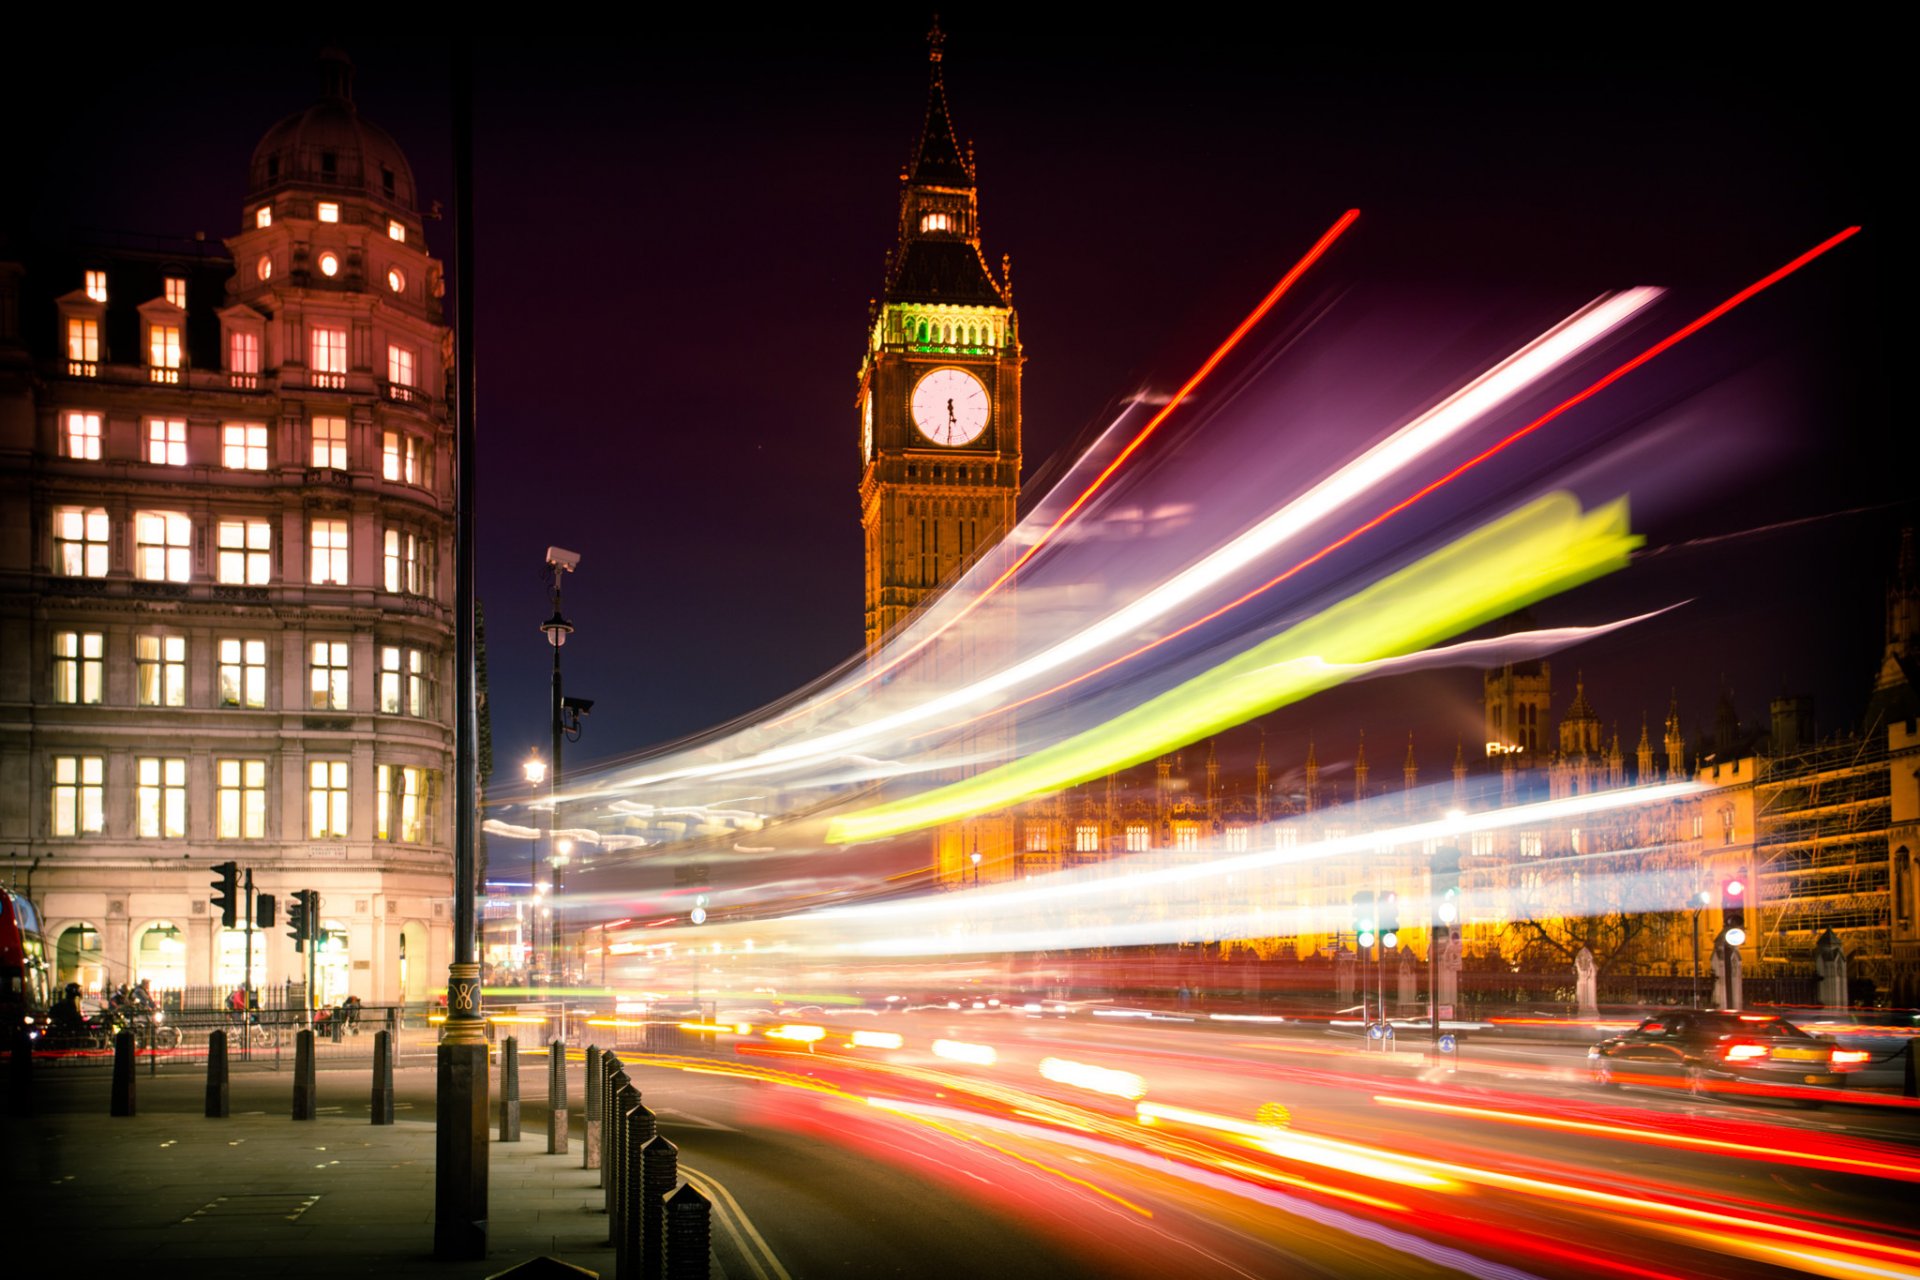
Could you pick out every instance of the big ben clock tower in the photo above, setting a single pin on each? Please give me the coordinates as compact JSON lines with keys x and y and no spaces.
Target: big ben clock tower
{"x":939,"y":397}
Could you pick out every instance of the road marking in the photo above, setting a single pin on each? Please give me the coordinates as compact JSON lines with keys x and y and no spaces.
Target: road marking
{"x":739,"y":1226}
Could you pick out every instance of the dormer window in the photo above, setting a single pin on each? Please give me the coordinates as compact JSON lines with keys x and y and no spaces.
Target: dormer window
{"x":83,"y":346}
{"x":263,"y":216}
{"x":396,"y":280}
{"x":936,"y":222}
{"x":329,"y":265}
{"x":273,"y":168}
{"x":176,"y":290}
{"x":386,"y":183}
{"x":97,"y":285}
{"x":329,"y":165}
{"x":395,"y":232}
{"x":163,"y":353}
{"x":329,"y":211}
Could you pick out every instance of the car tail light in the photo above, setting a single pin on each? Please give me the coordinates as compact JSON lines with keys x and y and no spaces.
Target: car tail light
{"x":1745,"y":1052}
{"x":1849,"y":1059}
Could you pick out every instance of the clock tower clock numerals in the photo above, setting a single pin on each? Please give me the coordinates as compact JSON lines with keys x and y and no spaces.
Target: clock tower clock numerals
{"x":950,"y":407}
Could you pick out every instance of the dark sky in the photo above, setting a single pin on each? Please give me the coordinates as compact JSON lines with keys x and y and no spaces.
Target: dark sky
{"x":678,"y":239}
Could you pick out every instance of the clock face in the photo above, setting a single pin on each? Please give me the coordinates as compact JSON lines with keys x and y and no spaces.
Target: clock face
{"x":950,"y":407}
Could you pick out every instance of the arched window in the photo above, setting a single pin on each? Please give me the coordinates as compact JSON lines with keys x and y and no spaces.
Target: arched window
{"x":923,"y":333}
{"x":78,"y":957}
{"x":331,"y":967}
{"x":160,"y":956}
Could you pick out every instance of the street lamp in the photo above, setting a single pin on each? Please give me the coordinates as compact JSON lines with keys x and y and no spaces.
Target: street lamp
{"x":976,"y":868}
{"x":557,"y":629}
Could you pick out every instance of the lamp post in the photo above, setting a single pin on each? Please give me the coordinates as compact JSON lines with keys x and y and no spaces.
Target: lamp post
{"x":976,"y":868}
{"x":557,"y":629}
{"x":1699,"y":902}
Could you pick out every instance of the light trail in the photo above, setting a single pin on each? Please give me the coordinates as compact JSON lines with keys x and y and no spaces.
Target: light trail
{"x":1542,"y":549}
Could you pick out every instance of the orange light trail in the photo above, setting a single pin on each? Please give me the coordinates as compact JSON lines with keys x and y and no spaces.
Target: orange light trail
{"x":1279,"y":291}
{"x":1587,"y":393}
{"x":1906,"y":1171}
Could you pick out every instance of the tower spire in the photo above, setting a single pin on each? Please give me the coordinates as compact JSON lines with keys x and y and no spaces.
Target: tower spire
{"x":938,"y":160}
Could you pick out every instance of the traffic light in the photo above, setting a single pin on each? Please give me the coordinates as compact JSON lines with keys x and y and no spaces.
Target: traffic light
{"x":300,"y":910}
{"x":1446,"y":887}
{"x":226,"y":892}
{"x":699,"y":913}
{"x":1390,"y":919}
{"x":263,"y":911}
{"x":1363,"y":918}
{"x":1733,"y":910}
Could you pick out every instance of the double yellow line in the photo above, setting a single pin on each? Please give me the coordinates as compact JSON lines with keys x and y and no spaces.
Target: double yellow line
{"x":734,"y":1221}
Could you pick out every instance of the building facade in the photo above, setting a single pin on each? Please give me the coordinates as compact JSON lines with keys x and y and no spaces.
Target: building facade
{"x":225,"y":632}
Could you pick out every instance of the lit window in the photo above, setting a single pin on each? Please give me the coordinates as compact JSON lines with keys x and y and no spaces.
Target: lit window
{"x":1036,"y":837}
{"x":78,"y":658}
{"x":407,"y":686}
{"x":329,"y":265}
{"x":162,"y":798}
{"x":263,"y":216}
{"x":80,"y":542}
{"x":1139,"y":839}
{"x":79,"y":783}
{"x":400,"y":804}
{"x":936,"y":222}
{"x":396,"y":280}
{"x":166,"y":442}
{"x":80,"y":436}
{"x":160,"y":671}
{"x":409,"y":563}
{"x":243,"y":673}
{"x":328,"y":552}
{"x":1286,"y":838}
{"x":1699,"y":824}
{"x":422,"y":688}
{"x":390,"y":462}
{"x":163,"y":348}
{"x":1186,"y":837}
{"x":1086,"y":838}
{"x":243,"y":446}
{"x":162,"y":546}
{"x":240,"y":799}
{"x":243,"y":352}
{"x":83,"y":346}
{"x":396,"y":232}
{"x":176,"y":289}
{"x":400,"y":366}
{"x":264,"y":267}
{"x":243,"y":555}
{"x":326,"y":799}
{"x":330,"y":352}
{"x":1236,"y":839}
{"x":329,"y":211}
{"x":1531,"y":844}
{"x":97,"y":285}
{"x":329,"y":672}
{"x":330,"y":443}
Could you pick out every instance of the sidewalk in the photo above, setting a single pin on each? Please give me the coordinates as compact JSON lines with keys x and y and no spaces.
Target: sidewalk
{"x":330,"y":1197}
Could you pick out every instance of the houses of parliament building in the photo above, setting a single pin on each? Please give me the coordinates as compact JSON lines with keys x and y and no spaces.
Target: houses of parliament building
{"x":1807,"y":835}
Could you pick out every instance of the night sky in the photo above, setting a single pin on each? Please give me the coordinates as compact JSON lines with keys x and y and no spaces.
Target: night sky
{"x":678,"y":240}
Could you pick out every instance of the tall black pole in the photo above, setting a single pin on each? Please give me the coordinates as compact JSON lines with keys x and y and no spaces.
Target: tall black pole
{"x":553,"y":800}
{"x":460,"y":1146}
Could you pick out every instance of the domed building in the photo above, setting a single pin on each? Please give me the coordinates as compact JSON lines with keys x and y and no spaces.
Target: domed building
{"x":227,"y":478}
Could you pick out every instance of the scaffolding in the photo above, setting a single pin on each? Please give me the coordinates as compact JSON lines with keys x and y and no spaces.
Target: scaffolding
{"x":1821,"y":816}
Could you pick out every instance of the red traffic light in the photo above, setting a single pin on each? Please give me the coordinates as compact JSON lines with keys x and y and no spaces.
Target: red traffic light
{"x":1734,"y":888}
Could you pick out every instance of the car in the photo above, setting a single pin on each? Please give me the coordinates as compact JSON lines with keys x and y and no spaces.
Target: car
{"x":1707,"y":1050}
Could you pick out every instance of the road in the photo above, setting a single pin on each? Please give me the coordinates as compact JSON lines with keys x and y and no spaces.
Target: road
{"x":1250,"y":1151}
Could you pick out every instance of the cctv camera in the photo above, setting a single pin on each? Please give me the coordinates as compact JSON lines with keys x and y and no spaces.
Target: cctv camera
{"x":561,"y":558}
{"x":581,"y":705}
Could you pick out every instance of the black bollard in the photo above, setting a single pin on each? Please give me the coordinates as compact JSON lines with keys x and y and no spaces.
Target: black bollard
{"x":122,"y":1075}
{"x":625,"y":1099}
{"x":217,"y":1105}
{"x":637,"y":1129}
{"x":610,"y":1071}
{"x":306,"y":1099}
{"x":20,"y":1090}
{"x":557,"y":1097}
{"x":381,"y":1107}
{"x":659,"y":1171}
{"x":689,"y":1234}
{"x":510,"y":1089}
{"x":590,"y":1137}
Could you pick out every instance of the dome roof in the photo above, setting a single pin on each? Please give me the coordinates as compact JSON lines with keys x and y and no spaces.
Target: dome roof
{"x":331,"y":145}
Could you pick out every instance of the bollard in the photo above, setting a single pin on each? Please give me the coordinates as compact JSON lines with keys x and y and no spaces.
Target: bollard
{"x":610,"y":1068}
{"x":689,"y":1234}
{"x":556,"y":1097}
{"x":626,"y":1105}
{"x":590,"y":1134}
{"x":621,"y":1098}
{"x":217,"y":1104}
{"x":659,"y":1171}
{"x":381,"y":1106}
{"x":306,"y":1101}
{"x":510,"y":1089}
{"x":122,"y":1075}
{"x":20,"y":1091}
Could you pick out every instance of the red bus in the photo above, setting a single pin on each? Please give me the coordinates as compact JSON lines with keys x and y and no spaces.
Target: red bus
{"x":25,"y":991}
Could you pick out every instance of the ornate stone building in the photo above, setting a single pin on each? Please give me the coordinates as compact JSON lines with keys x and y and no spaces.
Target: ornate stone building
{"x":225,"y":632}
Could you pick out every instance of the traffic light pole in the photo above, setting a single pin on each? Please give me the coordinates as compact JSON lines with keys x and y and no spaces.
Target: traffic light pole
{"x":247,"y":986}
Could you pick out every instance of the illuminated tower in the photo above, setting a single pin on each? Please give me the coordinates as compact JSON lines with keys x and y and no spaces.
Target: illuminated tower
{"x":939,"y":393}
{"x":1519,"y":703}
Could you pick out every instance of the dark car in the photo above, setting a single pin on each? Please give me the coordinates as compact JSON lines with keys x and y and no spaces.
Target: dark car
{"x":1712,"y":1052}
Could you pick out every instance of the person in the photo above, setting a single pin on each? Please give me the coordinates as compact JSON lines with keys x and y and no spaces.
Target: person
{"x":237,"y":1001}
{"x":143,"y":995}
{"x":69,"y":1019}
